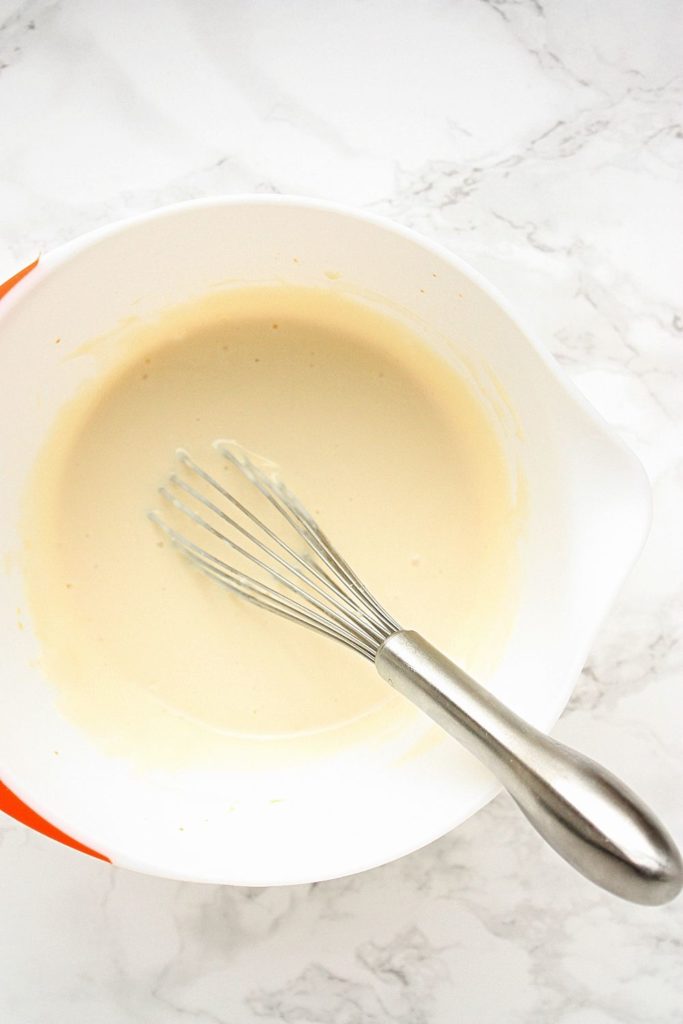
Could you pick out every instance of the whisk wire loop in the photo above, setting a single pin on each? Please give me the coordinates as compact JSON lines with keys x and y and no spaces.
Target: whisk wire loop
{"x":316,"y":588}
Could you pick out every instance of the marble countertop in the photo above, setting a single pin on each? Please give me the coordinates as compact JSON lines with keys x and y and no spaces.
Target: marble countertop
{"x":542,"y":141}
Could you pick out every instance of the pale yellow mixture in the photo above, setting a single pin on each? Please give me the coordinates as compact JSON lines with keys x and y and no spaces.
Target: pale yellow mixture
{"x":385,"y":444}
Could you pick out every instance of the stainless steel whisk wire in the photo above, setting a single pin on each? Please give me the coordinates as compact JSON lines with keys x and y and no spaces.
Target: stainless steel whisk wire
{"x":584,"y":812}
{"x":336,"y":604}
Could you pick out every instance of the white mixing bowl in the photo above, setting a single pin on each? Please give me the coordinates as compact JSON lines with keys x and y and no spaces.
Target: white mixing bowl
{"x":588,"y":513}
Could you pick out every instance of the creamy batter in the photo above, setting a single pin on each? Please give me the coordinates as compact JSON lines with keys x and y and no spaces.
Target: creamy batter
{"x":387,"y":446}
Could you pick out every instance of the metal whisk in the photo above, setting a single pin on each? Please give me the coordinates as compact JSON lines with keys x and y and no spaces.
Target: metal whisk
{"x":583,"y":811}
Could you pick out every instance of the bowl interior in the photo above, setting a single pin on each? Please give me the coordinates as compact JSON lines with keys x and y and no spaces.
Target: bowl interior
{"x":586,"y":498}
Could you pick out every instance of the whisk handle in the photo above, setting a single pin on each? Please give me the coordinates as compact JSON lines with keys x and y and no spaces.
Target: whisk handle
{"x":584,"y":812}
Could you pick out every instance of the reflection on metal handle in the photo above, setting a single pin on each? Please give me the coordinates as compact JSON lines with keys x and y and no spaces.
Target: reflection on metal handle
{"x":583,"y":811}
